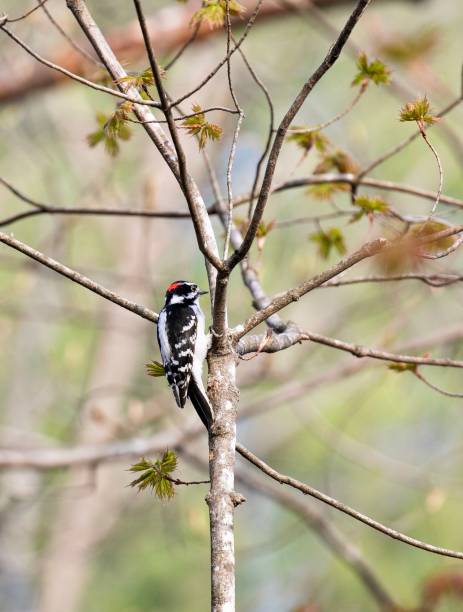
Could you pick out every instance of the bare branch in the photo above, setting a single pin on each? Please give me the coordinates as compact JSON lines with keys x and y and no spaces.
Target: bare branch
{"x":351,"y":179}
{"x":334,"y":503}
{"x":78,"y":278}
{"x":294,"y":336}
{"x":328,"y":533}
{"x":284,"y":299}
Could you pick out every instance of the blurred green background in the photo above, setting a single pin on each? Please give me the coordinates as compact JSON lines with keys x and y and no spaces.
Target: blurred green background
{"x":72,"y":368}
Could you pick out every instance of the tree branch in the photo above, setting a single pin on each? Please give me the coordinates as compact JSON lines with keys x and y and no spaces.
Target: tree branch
{"x":328,"y":533}
{"x":280,"y":301}
{"x":293,"y":335}
{"x":78,"y":278}
{"x":334,"y":503}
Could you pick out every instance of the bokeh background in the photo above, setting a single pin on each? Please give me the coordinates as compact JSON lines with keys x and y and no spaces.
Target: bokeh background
{"x":72,"y":366}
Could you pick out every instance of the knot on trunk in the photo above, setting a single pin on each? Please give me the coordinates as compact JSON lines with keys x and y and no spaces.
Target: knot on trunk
{"x":237,"y":498}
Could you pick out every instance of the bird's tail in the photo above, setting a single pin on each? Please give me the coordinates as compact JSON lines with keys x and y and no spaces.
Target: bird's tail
{"x":202,"y":405}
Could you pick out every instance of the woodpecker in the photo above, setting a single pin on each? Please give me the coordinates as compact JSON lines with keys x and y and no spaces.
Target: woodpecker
{"x":184,"y":345}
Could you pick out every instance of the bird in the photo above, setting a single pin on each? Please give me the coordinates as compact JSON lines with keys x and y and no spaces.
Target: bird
{"x":184,"y":345}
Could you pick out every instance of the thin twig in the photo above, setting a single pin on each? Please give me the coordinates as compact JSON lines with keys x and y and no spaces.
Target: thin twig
{"x":195,"y":207}
{"x":439,"y":165}
{"x":268,"y":143}
{"x":76,"y":77}
{"x":308,"y":86}
{"x":435,"y":387}
{"x":25,"y":15}
{"x":236,"y":132}
{"x":184,"y":47}
{"x":340,"y":115}
{"x":433,"y":280}
{"x":402,"y":145}
{"x":223,"y":109}
{"x":213,"y":72}
{"x":83,"y":52}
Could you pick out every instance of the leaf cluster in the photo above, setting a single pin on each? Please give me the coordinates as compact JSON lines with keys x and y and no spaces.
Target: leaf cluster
{"x":263,"y":229}
{"x":214,"y":12}
{"x":337,"y":160}
{"x":156,"y":369}
{"x":112,"y":129}
{"x":375,"y":71}
{"x":329,"y":240}
{"x":326,"y":191}
{"x":197,"y":125}
{"x":156,"y":475}
{"x":332,"y":160}
{"x":419,"y":110}
{"x":141,"y":80}
{"x":368,"y":206}
{"x":308,"y":140}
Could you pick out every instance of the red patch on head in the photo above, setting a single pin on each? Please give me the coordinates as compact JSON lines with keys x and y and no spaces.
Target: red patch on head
{"x":173,"y":286}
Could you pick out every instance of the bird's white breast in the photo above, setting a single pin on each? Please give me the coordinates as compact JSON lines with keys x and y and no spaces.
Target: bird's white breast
{"x":200,"y":344}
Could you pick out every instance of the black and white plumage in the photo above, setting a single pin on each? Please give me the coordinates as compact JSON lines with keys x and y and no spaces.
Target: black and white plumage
{"x":183,"y":345}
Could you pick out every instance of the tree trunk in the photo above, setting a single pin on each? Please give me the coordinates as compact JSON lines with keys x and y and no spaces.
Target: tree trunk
{"x":222,"y":498}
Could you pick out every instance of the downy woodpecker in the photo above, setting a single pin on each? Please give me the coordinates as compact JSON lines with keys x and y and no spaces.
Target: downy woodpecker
{"x":183,"y":345}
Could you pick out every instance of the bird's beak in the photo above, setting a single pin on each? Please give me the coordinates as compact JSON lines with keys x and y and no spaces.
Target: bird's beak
{"x":202,"y":292}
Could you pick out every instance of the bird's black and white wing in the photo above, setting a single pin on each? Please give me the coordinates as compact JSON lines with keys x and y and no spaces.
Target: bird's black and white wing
{"x":177,"y":332}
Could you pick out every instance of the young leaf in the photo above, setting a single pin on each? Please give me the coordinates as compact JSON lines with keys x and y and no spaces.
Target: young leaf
{"x":374,"y":71}
{"x":326,"y":191}
{"x":198,"y":126}
{"x":141,"y":80}
{"x":214,"y":12}
{"x":419,"y":111}
{"x":155,"y":475}
{"x":329,"y":240}
{"x":368,"y":206}
{"x":169,"y":462}
{"x":112,"y":128}
{"x":155,"y":369}
{"x":263,"y":230}
{"x":402,"y":367}
{"x":307,"y":140}
{"x":337,"y":160}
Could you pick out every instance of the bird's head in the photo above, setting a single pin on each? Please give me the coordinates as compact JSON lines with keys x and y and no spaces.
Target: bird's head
{"x":182,"y":292}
